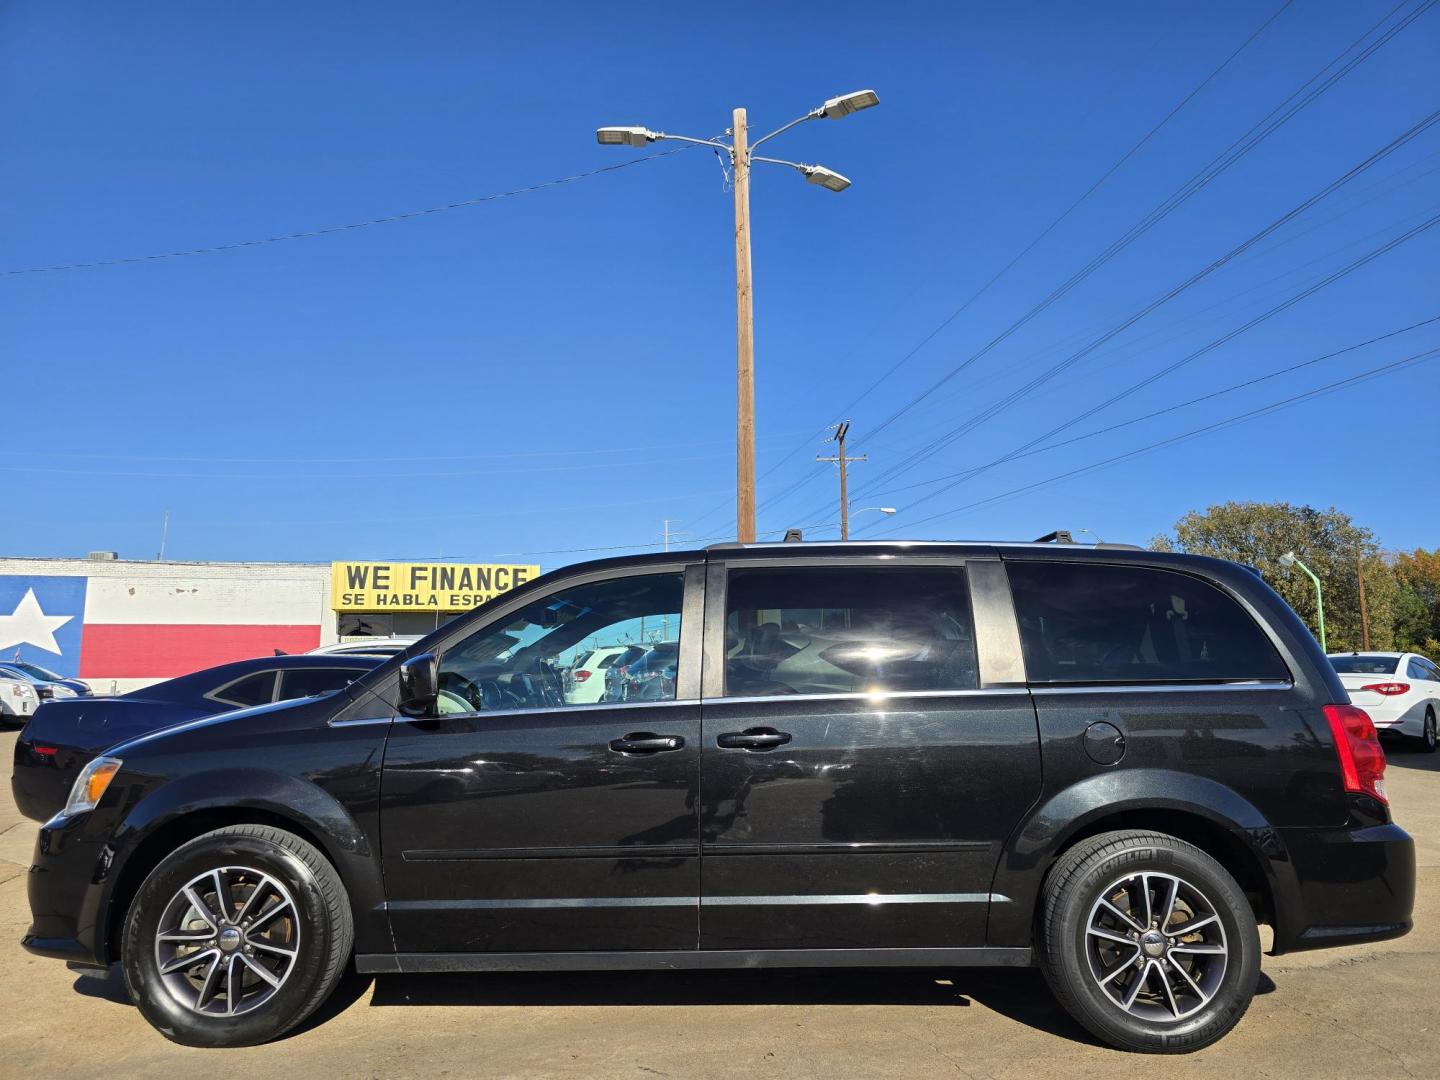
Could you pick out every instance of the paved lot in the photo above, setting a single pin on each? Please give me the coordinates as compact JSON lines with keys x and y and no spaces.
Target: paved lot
{"x":1362,"y":1011}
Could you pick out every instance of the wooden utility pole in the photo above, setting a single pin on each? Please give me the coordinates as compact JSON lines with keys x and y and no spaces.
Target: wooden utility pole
{"x":1364,"y":612}
{"x":841,"y":430}
{"x":745,"y":340}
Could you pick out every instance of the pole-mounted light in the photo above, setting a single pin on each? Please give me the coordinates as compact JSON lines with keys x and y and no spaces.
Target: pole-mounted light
{"x":845,"y":104}
{"x":741,"y":152}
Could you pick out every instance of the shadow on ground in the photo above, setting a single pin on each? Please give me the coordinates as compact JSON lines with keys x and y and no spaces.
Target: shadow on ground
{"x":1019,"y":995}
{"x":1406,"y":755}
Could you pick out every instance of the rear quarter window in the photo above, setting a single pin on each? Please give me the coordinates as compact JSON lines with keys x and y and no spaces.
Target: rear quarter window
{"x":1114,"y":624}
{"x":256,"y":689}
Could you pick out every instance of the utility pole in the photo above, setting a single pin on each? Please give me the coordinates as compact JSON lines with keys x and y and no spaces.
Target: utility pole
{"x":745,"y":340}
{"x":1364,"y":612}
{"x":668,"y":535}
{"x":740,"y":152}
{"x":841,"y":430}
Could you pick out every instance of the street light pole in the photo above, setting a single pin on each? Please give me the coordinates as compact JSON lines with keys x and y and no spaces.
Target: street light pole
{"x":744,"y":340}
{"x":1289,"y":559}
{"x":741,"y":153}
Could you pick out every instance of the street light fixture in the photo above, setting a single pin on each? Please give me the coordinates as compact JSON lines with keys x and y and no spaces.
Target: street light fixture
{"x":1289,"y":559}
{"x":741,"y":153}
{"x":886,"y":510}
{"x":624,"y":136}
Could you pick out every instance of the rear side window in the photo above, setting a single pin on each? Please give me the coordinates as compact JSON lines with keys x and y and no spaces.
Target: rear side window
{"x":828,"y":630}
{"x":1125,"y":624}
{"x":254,"y":689}
{"x":606,"y":661}
{"x":306,"y":682}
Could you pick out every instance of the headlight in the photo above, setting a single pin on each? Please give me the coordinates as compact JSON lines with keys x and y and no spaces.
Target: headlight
{"x":90,"y":785}
{"x":61,"y":691}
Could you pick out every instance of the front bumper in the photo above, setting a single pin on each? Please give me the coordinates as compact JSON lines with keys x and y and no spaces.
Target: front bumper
{"x":68,"y":876}
{"x":1347,"y":886}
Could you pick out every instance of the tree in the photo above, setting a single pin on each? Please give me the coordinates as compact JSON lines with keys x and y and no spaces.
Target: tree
{"x":1417,"y":609}
{"x":1327,"y":541}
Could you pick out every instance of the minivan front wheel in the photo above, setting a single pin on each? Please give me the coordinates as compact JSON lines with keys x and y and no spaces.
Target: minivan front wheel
{"x":236,"y":937}
{"x":1148,"y":942}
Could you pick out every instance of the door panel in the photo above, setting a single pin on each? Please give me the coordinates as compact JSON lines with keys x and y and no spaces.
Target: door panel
{"x":515,"y":819}
{"x":877,"y":825}
{"x":527,"y":832}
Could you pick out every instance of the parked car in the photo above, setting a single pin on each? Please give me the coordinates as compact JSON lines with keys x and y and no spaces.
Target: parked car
{"x":585,"y":680}
{"x":18,"y":700}
{"x":47,"y":684}
{"x":62,"y":736}
{"x":378,"y":646}
{"x":651,"y":676}
{"x":1399,"y":691}
{"x":1110,"y":764}
{"x":615,"y":673}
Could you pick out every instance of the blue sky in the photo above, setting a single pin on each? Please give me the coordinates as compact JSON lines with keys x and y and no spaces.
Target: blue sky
{"x":555,"y":371}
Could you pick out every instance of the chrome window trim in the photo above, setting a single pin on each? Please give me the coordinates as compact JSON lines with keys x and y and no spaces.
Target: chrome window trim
{"x":1160,"y":688}
{"x":598,"y":706}
{"x":780,"y":900}
{"x":862,"y":695}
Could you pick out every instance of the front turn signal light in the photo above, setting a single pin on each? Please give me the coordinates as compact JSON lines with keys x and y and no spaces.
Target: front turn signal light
{"x":91,"y":784}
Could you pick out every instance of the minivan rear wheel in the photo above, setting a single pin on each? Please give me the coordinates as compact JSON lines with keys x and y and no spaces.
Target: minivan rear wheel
{"x":236,"y":937}
{"x":1148,"y":942}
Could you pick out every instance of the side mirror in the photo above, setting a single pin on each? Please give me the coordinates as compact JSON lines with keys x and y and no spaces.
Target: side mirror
{"x":419,"y":685}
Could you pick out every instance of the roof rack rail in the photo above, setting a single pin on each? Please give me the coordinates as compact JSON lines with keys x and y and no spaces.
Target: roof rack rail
{"x":1059,"y":536}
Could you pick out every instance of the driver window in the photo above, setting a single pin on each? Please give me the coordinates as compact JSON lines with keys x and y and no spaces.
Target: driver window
{"x":533,"y":659}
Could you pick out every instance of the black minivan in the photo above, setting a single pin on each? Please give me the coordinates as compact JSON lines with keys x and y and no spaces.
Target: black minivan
{"x":1108,"y":763}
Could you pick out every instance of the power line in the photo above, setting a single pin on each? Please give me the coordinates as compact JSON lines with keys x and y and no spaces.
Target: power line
{"x":955,"y":433}
{"x":1279,"y":372}
{"x":328,"y":230}
{"x":1239,"y":418}
{"x":1260,"y":131}
{"x":1223,"y":339}
{"x":374,"y":458}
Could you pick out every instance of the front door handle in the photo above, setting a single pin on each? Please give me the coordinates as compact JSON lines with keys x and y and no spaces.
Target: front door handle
{"x":755,"y":738}
{"x":646,"y":742}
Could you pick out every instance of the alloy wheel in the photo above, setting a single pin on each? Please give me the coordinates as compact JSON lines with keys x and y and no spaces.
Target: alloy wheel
{"x":227,"y":941}
{"x":1156,"y":947}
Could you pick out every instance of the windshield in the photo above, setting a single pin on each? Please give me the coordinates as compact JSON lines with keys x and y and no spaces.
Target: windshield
{"x":1360,"y":664}
{"x":35,"y":671}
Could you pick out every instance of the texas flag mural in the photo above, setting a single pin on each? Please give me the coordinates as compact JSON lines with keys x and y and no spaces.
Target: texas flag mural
{"x":131,"y":628}
{"x":41,"y":620}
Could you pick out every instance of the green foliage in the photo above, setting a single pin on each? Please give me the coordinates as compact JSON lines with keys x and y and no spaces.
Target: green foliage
{"x":1417,"y":607}
{"x":1329,"y":543}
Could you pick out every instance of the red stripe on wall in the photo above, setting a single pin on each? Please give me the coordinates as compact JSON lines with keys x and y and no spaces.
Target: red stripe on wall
{"x":162,"y":651}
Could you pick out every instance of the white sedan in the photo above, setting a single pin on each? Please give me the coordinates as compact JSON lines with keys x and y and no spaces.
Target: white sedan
{"x":1399,"y":691}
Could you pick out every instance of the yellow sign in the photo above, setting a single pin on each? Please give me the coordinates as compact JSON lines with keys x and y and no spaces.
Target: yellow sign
{"x":371,"y":586}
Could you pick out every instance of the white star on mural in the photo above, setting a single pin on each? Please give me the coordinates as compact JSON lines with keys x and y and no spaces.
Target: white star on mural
{"x":28,"y":625}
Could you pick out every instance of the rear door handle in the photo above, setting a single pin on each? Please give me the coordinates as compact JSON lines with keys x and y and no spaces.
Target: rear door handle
{"x":759,"y":738}
{"x":646,"y":742}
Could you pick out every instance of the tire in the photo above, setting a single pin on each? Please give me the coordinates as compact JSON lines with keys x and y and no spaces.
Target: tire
{"x":1428,"y":740}
{"x":1076,"y":953}
{"x":262,"y":870}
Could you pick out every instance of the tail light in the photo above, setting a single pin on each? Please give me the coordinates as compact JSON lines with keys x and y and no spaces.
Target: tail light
{"x":1389,"y":689}
{"x":44,"y":751}
{"x":1362,"y":762}
{"x":581,"y":675}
